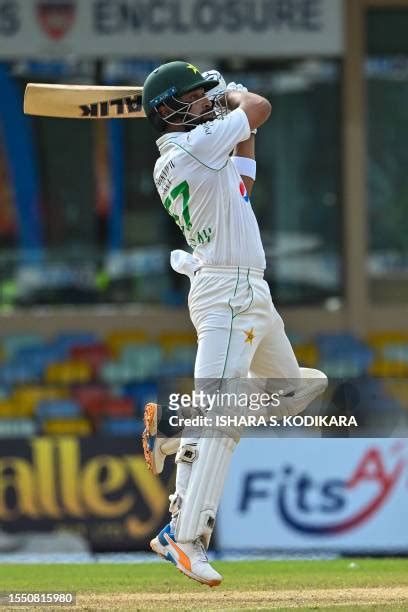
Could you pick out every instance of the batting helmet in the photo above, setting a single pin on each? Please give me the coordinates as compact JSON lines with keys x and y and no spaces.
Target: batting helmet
{"x":166,"y":84}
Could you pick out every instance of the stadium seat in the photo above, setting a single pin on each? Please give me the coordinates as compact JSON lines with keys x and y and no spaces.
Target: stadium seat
{"x":141,"y":393}
{"x":12,"y":343}
{"x":379,"y":339}
{"x":27,"y":397}
{"x":342,"y":368}
{"x":169,"y":340}
{"x":395,"y":352}
{"x":306,"y":354}
{"x":66,"y":340}
{"x":8,"y":409}
{"x":181,"y":363}
{"x":119,"y":407}
{"x":58,"y":409}
{"x":17,"y":428}
{"x":75,"y":427}
{"x":122,"y":427}
{"x":38,"y":357}
{"x":90,"y":395}
{"x":116,"y":373}
{"x":68,"y":372}
{"x":117,"y":340}
{"x":16,"y":373}
{"x":337,"y":344}
{"x":295,"y":338}
{"x":94,"y":354}
{"x":383,"y":367}
{"x":4,"y":391}
{"x":144,"y":359}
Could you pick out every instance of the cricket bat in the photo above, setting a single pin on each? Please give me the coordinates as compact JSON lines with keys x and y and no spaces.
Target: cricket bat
{"x":83,"y":101}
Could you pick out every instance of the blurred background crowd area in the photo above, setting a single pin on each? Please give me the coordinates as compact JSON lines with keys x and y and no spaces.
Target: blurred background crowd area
{"x":77,"y":383}
{"x":80,"y":221}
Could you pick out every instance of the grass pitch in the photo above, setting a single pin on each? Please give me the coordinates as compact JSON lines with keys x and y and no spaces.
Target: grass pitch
{"x":366,"y":584}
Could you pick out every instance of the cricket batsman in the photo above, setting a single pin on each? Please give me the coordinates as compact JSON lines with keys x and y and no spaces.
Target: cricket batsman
{"x":206,"y":190}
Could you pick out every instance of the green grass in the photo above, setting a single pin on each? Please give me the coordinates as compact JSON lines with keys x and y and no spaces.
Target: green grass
{"x":162,"y":577}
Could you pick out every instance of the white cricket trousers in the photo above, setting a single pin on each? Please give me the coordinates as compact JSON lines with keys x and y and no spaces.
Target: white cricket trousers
{"x":241,"y":335}
{"x":240,"y":332}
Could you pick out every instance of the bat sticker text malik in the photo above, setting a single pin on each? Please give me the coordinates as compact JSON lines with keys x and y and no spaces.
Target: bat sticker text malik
{"x":113,"y":108}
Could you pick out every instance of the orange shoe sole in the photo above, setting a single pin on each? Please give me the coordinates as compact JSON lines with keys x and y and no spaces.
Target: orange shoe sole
{"x":150,"y":422}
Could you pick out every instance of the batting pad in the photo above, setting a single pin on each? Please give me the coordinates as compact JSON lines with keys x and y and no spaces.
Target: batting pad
{"x":200,"y":505}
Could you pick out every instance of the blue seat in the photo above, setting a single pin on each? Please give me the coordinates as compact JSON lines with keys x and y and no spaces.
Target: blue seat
{"x":66,"y":340}
{"x":141,"y":393}
{"x":14,"y":342}
{"x":19,"y":374}
{"x":332,"y":343}
{"x":122,"y":427}
{"x":339,"y":338}
{"x":344,"y":351}
{"x":58,"y":409}
{"x":5,"y":391}
{"x":38,"y":357}
{"x":182,"y":359}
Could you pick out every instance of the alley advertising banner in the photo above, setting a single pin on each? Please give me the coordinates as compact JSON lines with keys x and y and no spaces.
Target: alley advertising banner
{"x":99,"y":488}
{"x":347,"y":495}
{"x":170,"y":28}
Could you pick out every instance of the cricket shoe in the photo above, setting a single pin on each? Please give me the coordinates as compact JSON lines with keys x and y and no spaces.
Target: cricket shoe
{"x":156,"y":448}
{"x":189,"y":557}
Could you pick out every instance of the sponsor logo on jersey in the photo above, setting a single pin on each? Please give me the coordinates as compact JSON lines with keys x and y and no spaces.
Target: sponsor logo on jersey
{"x":56,"y":17}
{"x":243,"y":191}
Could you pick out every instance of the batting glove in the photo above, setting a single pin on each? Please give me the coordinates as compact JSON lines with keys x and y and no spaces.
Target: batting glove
{"x":236,"y":87}
{"x":239,"y":87}
{"x":214,"y":75}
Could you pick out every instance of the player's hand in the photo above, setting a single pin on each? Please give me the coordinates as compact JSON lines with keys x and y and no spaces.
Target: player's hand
{"x":236,"y":87}
{"x":240,"y":88}
{"x":214,"y":75}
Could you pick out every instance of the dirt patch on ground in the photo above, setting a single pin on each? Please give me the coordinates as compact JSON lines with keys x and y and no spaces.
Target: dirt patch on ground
{"x":246,"y":600}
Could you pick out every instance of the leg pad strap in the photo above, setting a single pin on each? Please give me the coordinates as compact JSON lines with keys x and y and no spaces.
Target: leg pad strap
{"x":187,"y":453}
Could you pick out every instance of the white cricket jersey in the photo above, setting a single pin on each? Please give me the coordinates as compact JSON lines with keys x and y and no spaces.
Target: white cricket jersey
{"x":202,"y":190}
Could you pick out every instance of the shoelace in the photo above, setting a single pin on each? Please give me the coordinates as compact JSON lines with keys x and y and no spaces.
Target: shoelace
{"x":203,"y":553}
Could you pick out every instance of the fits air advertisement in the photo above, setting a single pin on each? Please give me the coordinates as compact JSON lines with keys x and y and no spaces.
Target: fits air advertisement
{"x":345,"y":495}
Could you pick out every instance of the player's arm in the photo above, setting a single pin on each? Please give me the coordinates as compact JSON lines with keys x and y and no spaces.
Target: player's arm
{"x":244,"y":153}
{"x":214,"y":145}
{"x":243,"y":156}
{"x":244,"y":161}
{"x":256,"y":108}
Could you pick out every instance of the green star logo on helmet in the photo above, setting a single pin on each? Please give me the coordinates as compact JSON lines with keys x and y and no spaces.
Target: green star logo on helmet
{"x":193,"y":68}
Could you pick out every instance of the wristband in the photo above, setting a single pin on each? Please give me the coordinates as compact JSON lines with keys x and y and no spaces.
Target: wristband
{"x":245,"y":166}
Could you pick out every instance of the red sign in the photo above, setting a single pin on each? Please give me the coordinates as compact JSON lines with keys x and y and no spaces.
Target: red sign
{"x":56,"y":17}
